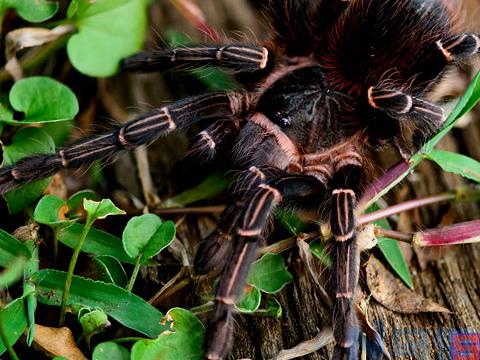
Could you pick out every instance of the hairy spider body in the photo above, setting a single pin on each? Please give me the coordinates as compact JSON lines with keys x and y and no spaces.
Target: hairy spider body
{"x":338,"y":79}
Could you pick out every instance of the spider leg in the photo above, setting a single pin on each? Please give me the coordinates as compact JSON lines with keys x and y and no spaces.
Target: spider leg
{"x":251,"y":222}
{"x":142,"y":130}
{"x":459,"y":47}
{"x":346,"y":260}
{"x":216,"y":248}
{"x":235,"y":57}
{"x":214,"y":136}
{"x":418,"y":119}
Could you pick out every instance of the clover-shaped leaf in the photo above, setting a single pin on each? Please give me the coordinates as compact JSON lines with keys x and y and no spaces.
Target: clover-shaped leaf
{"x":269,"y":274}
{"x":93,"y":322}
{"x":250,"y":301}
{"x":110,"y":350}
{"x":51,"y":211}
{"x":108,"y":30}
{"x":147,"y":235}
{"x":26,"y":142}
{"x":41,"y":99}
{"x":100,"y":209}
{"x":32,"y":10}
{"x":183,"y":341}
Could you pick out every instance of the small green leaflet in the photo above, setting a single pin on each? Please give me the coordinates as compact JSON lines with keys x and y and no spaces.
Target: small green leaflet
{"x":108,"y":31}
{"x":31,"y":10}
{"x":110,"y":350}
{"x":183,"y":340}
{"x":269,"y":274}
{"x":391,"y":250}
{"x":147,"y":235}
{"x":456,"y":163}
{"x":41,"y":99}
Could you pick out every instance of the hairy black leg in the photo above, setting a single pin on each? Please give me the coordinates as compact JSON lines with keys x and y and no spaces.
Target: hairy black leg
{"x":142,"y":130}
{"x":216,"y":249}
{"x":215,"y":135}
{"x":345,"y":183}
{"x":459,"y":47}
{"x":251,"y":222}
{"x":235,"y":57}
{"x":417,"y":118}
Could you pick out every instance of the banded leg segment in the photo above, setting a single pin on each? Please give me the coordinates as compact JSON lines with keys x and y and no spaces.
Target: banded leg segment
{"x":459,"y":47}
{"x":143,"y":130}
{"x":417,"y":118}
{"x":252,"y":221}
{"x":346,"y":265}
{"x":235,"y":57}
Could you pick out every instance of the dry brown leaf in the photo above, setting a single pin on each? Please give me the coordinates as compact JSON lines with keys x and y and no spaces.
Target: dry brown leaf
{"x":57,"y":342}
{"x":390,"y":291}
{"x":313,"y":268}
{"x":323,"y":338}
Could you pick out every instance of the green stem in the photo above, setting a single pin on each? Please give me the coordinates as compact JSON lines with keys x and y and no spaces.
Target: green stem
{"x":71,"y":268}
{"x":202,"y":308}
{"x":135,"y":273}
{"x":6,"y":342}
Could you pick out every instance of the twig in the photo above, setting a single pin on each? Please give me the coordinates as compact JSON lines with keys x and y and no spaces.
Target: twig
{"x":396,"y":235}
{"x":405,"y":206}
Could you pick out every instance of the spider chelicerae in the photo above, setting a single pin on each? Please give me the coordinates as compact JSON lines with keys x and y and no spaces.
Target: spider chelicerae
{"x":336,"y":81}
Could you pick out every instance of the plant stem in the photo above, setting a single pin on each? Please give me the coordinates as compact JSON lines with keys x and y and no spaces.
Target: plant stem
{"x":71,"y":268}
{"x":405,"y":206}
{"x":8,"y":346}
{"x":126,"y":339}
{"x":202,"y":308}
{"x":136,"y":269}
{"x":395,"y":235}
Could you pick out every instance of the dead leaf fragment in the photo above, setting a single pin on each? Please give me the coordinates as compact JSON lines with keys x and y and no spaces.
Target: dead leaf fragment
{"x":389,"y":291}
{"x":323,"y":338}
{"x":57,"y":342}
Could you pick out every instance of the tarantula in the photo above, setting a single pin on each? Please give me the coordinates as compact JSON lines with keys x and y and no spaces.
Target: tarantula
{"x":337,"y":81}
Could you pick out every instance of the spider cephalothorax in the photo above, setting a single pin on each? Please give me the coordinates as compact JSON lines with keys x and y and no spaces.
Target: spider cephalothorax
{"x":336,"y":80}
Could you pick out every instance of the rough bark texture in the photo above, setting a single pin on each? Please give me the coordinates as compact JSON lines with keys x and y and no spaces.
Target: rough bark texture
{"x":450,"y":277}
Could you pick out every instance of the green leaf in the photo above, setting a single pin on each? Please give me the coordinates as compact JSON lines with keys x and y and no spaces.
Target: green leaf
{"x":110,"y":270}
{"x":110,"y":350}
{"x":125,"y":307}
{"x":456,"y":163}
{"x":184,"y":340}
{"x":100,"y":210}
{"x":93,"y":322}
{"x":97,"y":242}
{"x":108,"y":31}
{"x":15,"y":316}
{"x":75,"y":202}
{"x":11,"y":249}
{"x":269,"y":273}
{"x":147,"y":235}
{"x":273,"y":308}
{"x":42,"y":99}
{"x":391,"y":250}
{"x":31,"y":267}
{"x":466,"y":103}
{"x":213,"y":185}
{"x":320,"y":252}
{"x":250,"y":301}
{"x":12,"y":273}
{"x":290,"y":221}
{"x":27,"y":141}
{"x":32,"y":10}
{"x":49,"y":210}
